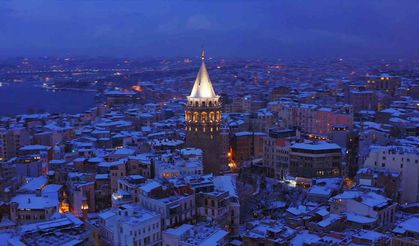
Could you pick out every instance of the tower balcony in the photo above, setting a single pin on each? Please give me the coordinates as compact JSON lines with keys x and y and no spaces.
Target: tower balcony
{"x":212,"y":102}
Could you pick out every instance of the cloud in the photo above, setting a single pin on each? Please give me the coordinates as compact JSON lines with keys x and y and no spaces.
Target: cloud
{"x":171,"y":26}
{"x":227,"y":28}
{"x":198,"y":22}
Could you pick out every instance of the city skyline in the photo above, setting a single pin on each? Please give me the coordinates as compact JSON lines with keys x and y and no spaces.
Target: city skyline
{"x":209,"y":123}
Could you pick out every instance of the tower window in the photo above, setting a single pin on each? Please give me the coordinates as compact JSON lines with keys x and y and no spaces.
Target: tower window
{"x":188,"y":116}
{"x":211,"y":116}
{"x":204,"y":117}
{"x":195,"y":116}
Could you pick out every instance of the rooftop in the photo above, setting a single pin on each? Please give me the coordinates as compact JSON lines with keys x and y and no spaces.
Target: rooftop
{"x":316,"y":146}
{"x":203,"y":87}
{"x":31,"y":201}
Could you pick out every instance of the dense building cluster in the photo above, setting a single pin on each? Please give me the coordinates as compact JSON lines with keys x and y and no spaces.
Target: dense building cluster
{"x":284,"y":155}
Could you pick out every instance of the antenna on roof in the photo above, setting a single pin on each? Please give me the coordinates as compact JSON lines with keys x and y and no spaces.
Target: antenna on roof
{"x":203,"y":54}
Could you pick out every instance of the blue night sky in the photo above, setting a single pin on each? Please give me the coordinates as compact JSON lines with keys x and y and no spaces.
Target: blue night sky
{"x":230,"y":28}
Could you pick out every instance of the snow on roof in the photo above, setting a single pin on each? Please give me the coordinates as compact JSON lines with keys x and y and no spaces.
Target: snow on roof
{"x":34,"y":116}
{"x":150,"y":185}
{"x":166,"y":142}
{"x":191,"y":151}
{"x":110,"y":164}
{"x":305,"y":238}
{"x":241,"y":134}
{"x":325,"y":109}
{"x":392,"y":111}
{"x":52,"y":188}
{"x":144,"y":157}
{"x":138,"y":215}
{"x":66,"y":219}
{"x":332,"y":183}
{"x":136,"y":176}
{"x":56,"y":162}
{"x":215,"y":237}
{"x":107,"y":214}
{"x":409,"y":225}
{"x":398,"y":120}
{"x":4,"y":237}
{"x":329,"y":220}
{"x":235,"y":242}
{"x":264,"y":112}
{"x":225,"y":183}
{"x":6,"y":222}
{"x":34,"y":184}
{"x":34,"y":147}
{"x":95,"y":159}
{"x":395,"y":149}
{"x":322,"y":212}
{"x":320,"y":190}
{"x":201,"y":234}
{"x":349,"y":194}
{"x":277,"y":204}
{"x":181,"y":230}
{"x":373,"y":199}
{"x":301,"y":209}
{"x":369,"y":235}
{"x":146,"y":129}
{"x":102,"y":176}
{"x":360,"y":219}
{"x":31,"y":201}
{"x":316,"y":146}
{"x":124,"y":151}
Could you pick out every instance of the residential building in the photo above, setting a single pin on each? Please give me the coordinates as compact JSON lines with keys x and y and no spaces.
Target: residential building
{"x":315,"y":159}
{"x":404,"y":160}
{"x":129,"y":224}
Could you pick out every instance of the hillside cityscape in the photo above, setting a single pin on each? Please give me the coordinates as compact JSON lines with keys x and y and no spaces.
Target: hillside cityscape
{"x":209,"y":123}
{"x":206,"y":151}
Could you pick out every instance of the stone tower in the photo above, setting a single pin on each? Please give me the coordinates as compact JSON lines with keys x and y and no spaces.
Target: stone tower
{"x":203,"y":119}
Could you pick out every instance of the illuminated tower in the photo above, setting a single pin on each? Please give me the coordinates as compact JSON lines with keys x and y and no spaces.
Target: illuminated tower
{"x":203,"y":119}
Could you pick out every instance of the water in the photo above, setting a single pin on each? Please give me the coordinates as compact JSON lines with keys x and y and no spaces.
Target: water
{"x":29,"y":97}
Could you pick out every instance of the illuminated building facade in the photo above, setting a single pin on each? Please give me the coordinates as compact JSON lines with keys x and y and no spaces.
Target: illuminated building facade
{"x":203,"y":119}
{"x":316,"y":159}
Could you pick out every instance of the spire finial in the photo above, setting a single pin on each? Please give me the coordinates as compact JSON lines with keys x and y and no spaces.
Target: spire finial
{"x":203,"y":54}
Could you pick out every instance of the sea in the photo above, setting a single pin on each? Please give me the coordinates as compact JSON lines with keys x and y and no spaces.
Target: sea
{"x":31,"y":97}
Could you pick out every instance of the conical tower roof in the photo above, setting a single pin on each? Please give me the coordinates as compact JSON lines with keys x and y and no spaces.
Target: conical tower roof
{"x":203,"y":86}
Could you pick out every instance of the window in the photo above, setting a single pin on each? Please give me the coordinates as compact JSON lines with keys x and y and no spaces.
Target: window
{"x":195,"y":116}
{"x":211,"y":116}
{"x":204,"y":116}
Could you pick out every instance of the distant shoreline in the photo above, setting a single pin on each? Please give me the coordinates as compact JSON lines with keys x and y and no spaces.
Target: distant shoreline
{"x":65,"y":88}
